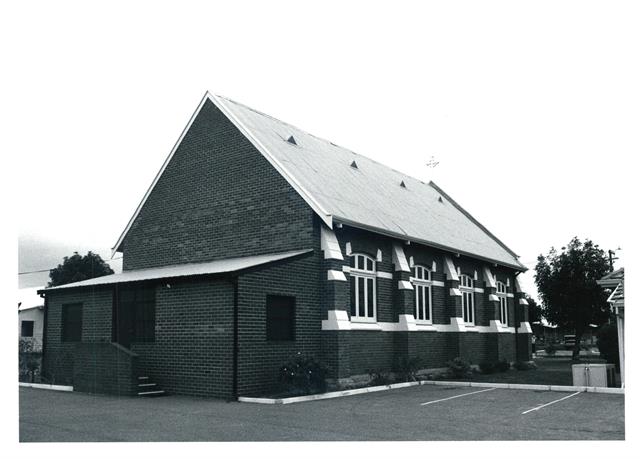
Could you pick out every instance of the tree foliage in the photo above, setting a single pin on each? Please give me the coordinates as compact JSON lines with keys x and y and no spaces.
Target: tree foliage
{"x":608,"y":343}
{"x":535,"y":311}
{"x":77,"y":268}
{"x":566,"y":282}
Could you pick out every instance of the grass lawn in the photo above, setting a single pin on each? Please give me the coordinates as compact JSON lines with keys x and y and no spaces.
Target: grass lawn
{"x":550,"y":371}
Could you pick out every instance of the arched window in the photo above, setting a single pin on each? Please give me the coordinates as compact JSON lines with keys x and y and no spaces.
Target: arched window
{"x":422,"y":287}
{"x":466,"y":288}
{"x":363,"y":288}
{"x":502,"y":297}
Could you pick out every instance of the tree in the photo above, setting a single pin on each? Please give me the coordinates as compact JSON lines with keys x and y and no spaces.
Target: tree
{"x":608,"y":344}
{"x":566,"y":282}
{"x":77,"y":268}
{"x":535,"y":311}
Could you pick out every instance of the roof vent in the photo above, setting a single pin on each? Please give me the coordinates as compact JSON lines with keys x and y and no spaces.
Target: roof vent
{"x":292,"y":140}
{"x":402,"y":184}
{"x":439,"y":198}
{"x":354,"y":165}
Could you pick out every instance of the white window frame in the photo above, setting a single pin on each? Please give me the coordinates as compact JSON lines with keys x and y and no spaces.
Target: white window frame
{"x":501,"y":291}
{"x":466,"y":288}
{"x":368,"y":276}
{"x":422,"y":286}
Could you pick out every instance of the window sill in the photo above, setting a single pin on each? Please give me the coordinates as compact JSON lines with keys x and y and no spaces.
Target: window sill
{"x":365,"y":326}
{"x":424,"y":322}
{"x":425,"y":326}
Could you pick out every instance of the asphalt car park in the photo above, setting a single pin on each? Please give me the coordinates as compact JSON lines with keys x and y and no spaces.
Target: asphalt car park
{"x":412,"y":413}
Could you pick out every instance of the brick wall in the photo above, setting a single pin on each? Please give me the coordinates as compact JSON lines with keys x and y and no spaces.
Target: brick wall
{"x":476,"y":348}
{"x":217,"y":198}
{"x":357,"y":351}
{"x":193,"y":349}
{"x":433,"y":349}
{"x":259,"y":359}
{"x":96,"y":327}
{"x":371,"y":351}
{"x":506,"y":347}
{"x":104,"y":368}
{"x":369,"y":243}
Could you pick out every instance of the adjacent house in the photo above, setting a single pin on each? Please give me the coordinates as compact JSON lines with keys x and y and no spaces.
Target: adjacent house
{"x":614,"y":281}
{"x":31,"y":317}
{"x":257,"y":241}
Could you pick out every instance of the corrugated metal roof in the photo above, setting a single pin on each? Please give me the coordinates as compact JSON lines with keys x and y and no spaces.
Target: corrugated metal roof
{"x":617,"y":297}
{"x":369,"y":195}
{"x":613,"y":276}
{"x":192,"y":269}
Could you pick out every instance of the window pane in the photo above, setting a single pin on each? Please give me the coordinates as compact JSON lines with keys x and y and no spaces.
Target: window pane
{"x":420,"y":299}
{"x":369,"y":265}
{"x":360,"y":295}
{"x":27,"y":329}
{"x":140,"y":301}
{"x":427,"y":301}
{"x":352,"y":282}
{"x":72,"y":322}
{"x":465,"y":310}
{"x":280,"y":324}
{"x":370,"y":298}
{"x":467,"y":306}
{"x":359,"y":262}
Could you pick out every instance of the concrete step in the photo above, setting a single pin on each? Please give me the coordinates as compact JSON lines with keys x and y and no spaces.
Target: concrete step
{"x":152,"y":393}
{"x":147,"y":388}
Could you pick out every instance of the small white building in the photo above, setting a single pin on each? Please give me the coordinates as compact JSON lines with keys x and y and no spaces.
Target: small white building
{"x":31,"y":316}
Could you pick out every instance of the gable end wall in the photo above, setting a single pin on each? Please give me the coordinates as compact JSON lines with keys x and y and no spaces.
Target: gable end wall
{"x":217,"y":198}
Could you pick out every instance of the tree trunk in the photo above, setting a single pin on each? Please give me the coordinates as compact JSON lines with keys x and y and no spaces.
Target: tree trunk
{"x":576,"y":347}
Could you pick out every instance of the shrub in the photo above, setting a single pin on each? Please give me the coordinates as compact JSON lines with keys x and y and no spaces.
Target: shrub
{"x":608,"y":343}
{"x":436,"y":376}
{"x":379,"y":378}
{"x":29,"y":360}
{"x":487,"y":368}
{"x":459,"y":368}
{"x":502,"y":366}
{"x":550,"y":349}
{"x":408,"y":367}
{"x":524,"y":366}
{"x":303,"y":375}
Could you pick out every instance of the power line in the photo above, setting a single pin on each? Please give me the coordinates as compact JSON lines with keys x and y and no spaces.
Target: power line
{"x":47,"y":270}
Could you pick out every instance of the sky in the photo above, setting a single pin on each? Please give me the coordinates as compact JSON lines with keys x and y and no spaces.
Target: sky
{"x":526,"y":109}
{"x":530,"y":108}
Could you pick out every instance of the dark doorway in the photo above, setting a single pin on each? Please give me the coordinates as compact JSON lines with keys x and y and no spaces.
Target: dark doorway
{"x":134,"y":314}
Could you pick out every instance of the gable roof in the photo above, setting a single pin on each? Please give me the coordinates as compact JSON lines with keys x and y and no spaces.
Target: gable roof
{"x":612,"y":278}
{"x":617,"y":297}
{"x":369,"y":196}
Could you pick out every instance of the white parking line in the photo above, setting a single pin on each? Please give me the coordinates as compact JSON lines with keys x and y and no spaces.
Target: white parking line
{"x":550,"y":403}
{"x":456,"y":396}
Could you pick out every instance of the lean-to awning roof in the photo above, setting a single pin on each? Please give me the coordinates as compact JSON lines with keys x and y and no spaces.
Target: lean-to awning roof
{"x":228,"y":265}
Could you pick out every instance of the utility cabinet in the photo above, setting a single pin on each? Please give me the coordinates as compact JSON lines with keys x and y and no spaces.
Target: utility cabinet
{"x":594,"y":374}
